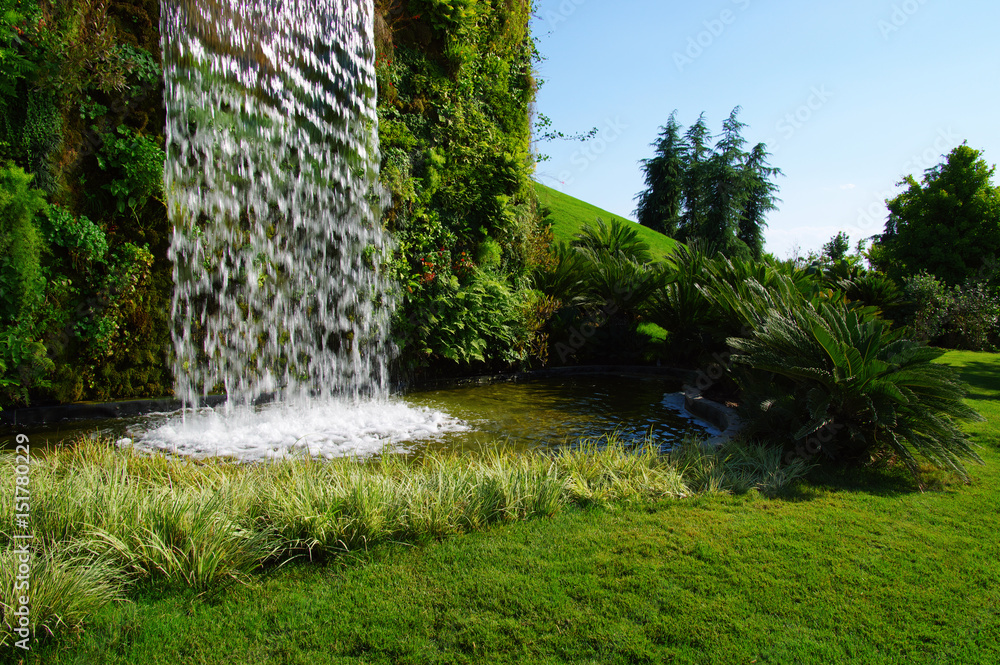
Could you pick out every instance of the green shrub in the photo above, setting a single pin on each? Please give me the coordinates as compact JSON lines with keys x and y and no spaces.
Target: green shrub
{"x":479,"y":320}
{"x":21,"y":282}
{"x":136,"y":161}
{"x":826,"y":379}
{"x":84,"y":240}
{"x":961,"y":317}
{"x":24,"y":364}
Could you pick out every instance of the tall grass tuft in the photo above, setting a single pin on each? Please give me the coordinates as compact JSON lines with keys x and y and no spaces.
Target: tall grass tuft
{"x":66,"y":586}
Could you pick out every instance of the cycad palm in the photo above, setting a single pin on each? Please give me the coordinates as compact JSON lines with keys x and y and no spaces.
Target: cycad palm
{"x":826,"y":369}
{"x":614,"y":237}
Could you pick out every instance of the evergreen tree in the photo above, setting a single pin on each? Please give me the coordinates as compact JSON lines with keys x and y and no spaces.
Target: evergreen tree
{"x":695,"y":180}
{"x":660,"y":204}
{"x":760,"y":197}
{"x":725,"y":186}
{"x":719,"y":194}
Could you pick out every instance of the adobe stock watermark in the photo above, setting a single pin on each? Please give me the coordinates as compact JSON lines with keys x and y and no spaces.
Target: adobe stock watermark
{"x":19,"y":618}
{"x":900,"y":16}
{"x":702,"y":41}
{"x":553,"y":19}
{"x":795,"y":120}
{"x":583,"y":158}
{"x":873,"y":216}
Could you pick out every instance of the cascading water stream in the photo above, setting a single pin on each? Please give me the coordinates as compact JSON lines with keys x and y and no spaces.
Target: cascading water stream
{"x":271,"y":180}
{"x":272,"y":188}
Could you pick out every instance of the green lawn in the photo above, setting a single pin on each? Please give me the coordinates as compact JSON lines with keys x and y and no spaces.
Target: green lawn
{"x":567,"y":214}
{"x":851,"y":568}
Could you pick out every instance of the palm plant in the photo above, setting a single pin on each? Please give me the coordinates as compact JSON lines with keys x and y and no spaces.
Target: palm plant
{"x":838,"y":381}
{"x":681,"y":307}
{"x":567,"y":278}
{"x":613,"y":237}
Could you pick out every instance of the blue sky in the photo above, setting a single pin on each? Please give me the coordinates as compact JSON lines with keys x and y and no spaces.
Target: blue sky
{"x":850,"y":96}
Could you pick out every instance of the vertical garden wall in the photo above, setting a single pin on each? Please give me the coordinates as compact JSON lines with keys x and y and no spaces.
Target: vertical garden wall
{"x":455,"y":86}
{"x":85,"y":288}
{"x":83,"y":231}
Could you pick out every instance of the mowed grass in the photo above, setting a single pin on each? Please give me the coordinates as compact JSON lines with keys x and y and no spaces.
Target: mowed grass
{"x":853,"y":567}
{"x":568,"y":214}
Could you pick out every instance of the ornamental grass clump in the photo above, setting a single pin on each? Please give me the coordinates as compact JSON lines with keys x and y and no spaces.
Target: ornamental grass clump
{"x":67,"y":584}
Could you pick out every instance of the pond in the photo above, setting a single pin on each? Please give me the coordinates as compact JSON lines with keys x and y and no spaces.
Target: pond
{"x":538,"y":413}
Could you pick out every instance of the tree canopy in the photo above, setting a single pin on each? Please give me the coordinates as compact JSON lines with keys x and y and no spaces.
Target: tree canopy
{"x":720,"y":194}
{"x":947,"y":225}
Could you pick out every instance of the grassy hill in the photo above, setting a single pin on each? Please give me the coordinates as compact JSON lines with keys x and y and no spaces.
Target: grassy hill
{"x":568,"y":214}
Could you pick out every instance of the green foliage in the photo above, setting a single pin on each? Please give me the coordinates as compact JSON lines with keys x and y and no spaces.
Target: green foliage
{"x":68,"y":586}
{"x":836,"y":249}
{"x":79,"y":49}
{"x":74,"y":311}
{"x":14,"y":64}
{"x":479,"y":320}
{"x":616,"y":237}
{"x":137,"y":161}
{"x":31,"y":132}
{"x":24,"y":365}
{"x":948,"y":224}
{"x":22,"y":283}
{"x":838,"y":381}
{"x":960,"y":317}
{"x":599,"y":283}
{"x":98,"y":324}
{"x":455,"y":83}
{"x":83,"y":239}
{"x":718,"y":194}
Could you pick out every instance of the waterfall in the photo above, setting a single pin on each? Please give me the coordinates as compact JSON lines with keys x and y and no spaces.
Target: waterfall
{"x":272,"y":189}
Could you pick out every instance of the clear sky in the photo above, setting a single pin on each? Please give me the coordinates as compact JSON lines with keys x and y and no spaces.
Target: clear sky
{"x":850,"y":96}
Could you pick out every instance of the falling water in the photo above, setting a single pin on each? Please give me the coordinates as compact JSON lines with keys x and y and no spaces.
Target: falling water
{"x":271,"y":181}
{"x":272,"y":159}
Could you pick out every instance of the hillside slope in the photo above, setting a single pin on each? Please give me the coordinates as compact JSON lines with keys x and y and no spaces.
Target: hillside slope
{"x":567,"y":214}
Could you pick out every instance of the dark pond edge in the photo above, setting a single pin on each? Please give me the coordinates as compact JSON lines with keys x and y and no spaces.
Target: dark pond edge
{"x":718,"y":415}
{"x":34,"y":416}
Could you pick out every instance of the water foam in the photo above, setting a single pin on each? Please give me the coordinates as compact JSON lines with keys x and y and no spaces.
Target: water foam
{"x":329,"y":428}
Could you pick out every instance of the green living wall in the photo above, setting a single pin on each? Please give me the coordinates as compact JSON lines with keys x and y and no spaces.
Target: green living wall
{"x":455,"y":86}
{"x":85,"y":288}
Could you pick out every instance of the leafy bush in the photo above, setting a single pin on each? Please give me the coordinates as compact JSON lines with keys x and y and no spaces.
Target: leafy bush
{"x":600,"y":284}
{"x":24,"y":364}
{"x":21,"y":281}
{"x":137,"y":161}
{"x":827,"y":379}
{"x":479,"y":320}
{"x":83,"y":239}
{"x":958,"y":317}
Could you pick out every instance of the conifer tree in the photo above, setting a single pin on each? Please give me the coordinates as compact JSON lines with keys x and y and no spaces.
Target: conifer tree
{"x":661,"y":203}
{"x":719,"y":194}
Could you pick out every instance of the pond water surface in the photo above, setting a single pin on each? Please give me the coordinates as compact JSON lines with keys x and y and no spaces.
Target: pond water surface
{"x":538,"y":413}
